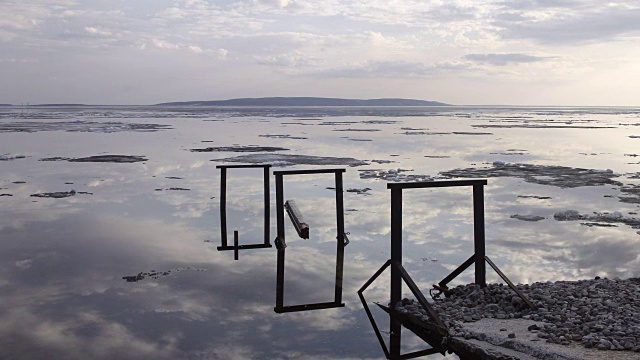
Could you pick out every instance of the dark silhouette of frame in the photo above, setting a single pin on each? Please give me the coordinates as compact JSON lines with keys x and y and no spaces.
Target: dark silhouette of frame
{"x":398,"y":273}
{"x":281,"y":243}
{"x":223,"y":210}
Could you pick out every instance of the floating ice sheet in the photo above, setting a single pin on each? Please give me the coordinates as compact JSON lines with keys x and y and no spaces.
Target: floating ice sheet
{"x":560,"y":176}
{"x":101,"y":158}
{"x":289,"y":160}
{"x":243,"y":148}
{"x":79,"y":126}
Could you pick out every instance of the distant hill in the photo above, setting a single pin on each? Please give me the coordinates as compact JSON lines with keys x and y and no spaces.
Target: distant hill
{"x":58,"y":105}
{"x":306,"y":101}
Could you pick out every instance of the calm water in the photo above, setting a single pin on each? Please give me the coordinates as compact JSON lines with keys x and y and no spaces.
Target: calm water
{"x":63,"y":259}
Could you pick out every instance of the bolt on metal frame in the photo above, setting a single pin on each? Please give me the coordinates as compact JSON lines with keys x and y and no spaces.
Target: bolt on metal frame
{"x":281,"y":243}
{"x":223,"y":210}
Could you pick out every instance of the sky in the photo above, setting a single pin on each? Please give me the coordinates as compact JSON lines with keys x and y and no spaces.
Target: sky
{"x":463,"y":52}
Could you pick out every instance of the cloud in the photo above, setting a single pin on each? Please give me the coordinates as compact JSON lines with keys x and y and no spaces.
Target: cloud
{"x":161,"y":44}
{"x":292,"y":60}
{"x":96,"y":31}
{"x":504,"y":59}
{"x":568,"y":22}
{"x":382,"y":69}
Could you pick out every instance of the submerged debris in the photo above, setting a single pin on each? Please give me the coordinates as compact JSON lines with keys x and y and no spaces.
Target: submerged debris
{"x":527,"y":217}
{"x":535,"y":197}
{"x":55,"y":195}
{"x":359,"y":191}
{"x":561,"y":176}
{"x":289,"y":160}
{"x":248,"y":148}
{"x":157,"y":274}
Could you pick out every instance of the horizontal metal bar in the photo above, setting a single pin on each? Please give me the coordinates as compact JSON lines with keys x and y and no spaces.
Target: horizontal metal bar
{"x":513,"y":287}
{"x":309,"y":171}
{"x":305,"y":307}
{"x":432,"y":184}
{"x":243,"y":166}
{"x":245,"y":247}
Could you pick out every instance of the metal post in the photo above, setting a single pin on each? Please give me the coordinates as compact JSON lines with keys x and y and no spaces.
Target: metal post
{"x":267,"y":206}
{"x":340,"y":237}
{"x":235,"y":245}
{"x":396,"y":278}
{"x":223,"y":206}
{"x":478,"y":235}
{"x":280,"y":239}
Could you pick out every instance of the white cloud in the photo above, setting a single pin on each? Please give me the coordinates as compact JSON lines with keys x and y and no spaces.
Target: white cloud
{"x":161,"y":44}
{"x":505,"y":59}
{"x":96,"y":31}
{"x":196,"y":49}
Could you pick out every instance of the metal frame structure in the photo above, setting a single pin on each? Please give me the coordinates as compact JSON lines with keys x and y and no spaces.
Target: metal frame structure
{"x":399,"y":274}
{"x":223,"y":210}
{"x":281,"y":243}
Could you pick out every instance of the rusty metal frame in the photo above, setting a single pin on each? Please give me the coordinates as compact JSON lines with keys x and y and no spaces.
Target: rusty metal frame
{"x":223,"y":210}
{"x":280,"y":241}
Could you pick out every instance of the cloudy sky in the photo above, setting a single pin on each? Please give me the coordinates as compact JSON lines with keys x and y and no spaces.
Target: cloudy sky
{"x":520,"y":52}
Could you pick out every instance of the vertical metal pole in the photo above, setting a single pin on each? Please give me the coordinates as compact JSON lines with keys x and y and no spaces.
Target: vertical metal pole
{"x":223,"y":206}
{"x":340,"y":237}
{"x":281,"y":250}
{"x":267,"y":206}
{"x":235,"y":245}
{"x":396,"y":279}
{"x":478,"y":234}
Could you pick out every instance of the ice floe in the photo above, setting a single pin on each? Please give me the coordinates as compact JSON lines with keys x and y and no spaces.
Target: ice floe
{"x":101,"y":158}
{"x":242,"y":148}
{"x":7,"y":157}
{"x":290,"y":160}
{"x":560,"y":176}
{"x":394,"y":175}
{"x":79,"y":126}
{"x":615,"y":217}
{"x":527,"y":217}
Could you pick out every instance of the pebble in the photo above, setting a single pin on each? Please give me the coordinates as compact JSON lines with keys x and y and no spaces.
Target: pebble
{"x":600,"y":313}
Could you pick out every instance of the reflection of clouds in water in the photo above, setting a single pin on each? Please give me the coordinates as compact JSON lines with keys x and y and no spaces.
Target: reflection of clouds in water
{"x":83,"y":333}
{"x":63,"y":259}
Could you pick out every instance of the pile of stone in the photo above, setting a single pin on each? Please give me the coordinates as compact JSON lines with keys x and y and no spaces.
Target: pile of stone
{"x":599,"y":313}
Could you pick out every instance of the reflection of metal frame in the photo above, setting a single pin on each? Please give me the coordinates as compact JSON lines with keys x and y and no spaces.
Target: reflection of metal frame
{"x":281,"y":244}
{"x":398,"y":273}
{"x":223,"y":210}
